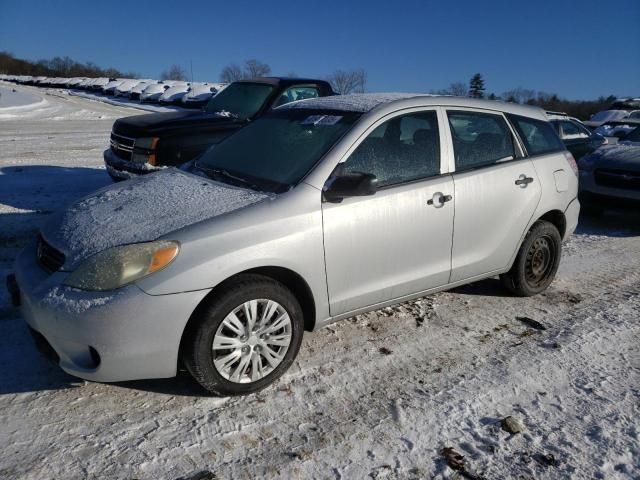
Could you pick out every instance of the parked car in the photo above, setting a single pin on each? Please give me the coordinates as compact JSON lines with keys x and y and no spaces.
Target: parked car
{"x":152,"y":93}
{"x":97,"y":84}
{"x":618,"y":128}
{"x":110,"y":88}
{"x":199,"y":94}
{"x":578,"y":139}
{"x":134,"y":93}
{"x":174,"y":94}
{"x":146,"y":143}
{"x":599,"y":118}
{"x":610,"y":176}
{"x":316,"y":211}
{"x":125,"y":87}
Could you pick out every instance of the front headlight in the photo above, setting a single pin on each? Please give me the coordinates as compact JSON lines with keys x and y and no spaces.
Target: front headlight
{"x":119,"y":266}
{"x":148,"y":143}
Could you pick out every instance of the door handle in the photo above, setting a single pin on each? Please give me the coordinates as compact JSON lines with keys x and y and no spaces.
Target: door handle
{"x":523,"y":180}
{"x":439,"y":199}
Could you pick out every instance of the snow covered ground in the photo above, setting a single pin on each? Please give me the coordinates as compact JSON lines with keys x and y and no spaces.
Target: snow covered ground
{"x":376,"y":396}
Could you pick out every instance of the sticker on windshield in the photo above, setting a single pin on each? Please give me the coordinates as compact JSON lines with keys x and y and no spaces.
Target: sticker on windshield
{"x":322,"y":120}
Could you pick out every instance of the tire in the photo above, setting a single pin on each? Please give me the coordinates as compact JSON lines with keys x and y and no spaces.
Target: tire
{"x":214,"y":321}
{"x":537,"y":261}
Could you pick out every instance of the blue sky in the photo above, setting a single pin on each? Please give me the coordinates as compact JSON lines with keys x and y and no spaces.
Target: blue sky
{"x":579,"y":50}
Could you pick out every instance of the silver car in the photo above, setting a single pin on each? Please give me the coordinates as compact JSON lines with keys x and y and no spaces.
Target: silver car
{"x":318,"y":211}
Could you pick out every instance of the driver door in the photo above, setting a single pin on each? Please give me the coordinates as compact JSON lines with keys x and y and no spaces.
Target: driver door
{"x":398,"y":241}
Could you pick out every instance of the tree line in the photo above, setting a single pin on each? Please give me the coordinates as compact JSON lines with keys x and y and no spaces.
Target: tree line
{"x":582,"y":109}
{"x":57,"y":67}
{"x":342,"y":81}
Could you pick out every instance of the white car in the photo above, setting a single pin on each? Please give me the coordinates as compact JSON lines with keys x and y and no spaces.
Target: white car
{"x":199,"y":94}
{"x":321,"y":210}
{"x":125,"y":87}
{"x":174,"y":94}
{"x":153,"y":92}
{"x":604,"y":116}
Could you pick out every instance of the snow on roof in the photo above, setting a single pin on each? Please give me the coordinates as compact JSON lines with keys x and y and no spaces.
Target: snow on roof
{"x":356,"y":102}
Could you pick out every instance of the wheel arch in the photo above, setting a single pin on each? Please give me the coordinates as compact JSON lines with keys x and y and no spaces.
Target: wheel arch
{"x":557,"y":218}
{"x":290,"y":279}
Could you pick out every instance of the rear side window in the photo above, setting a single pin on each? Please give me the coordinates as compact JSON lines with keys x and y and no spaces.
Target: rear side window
{"x":479,"y":139}
{"x":538,"y":136}
{"x":571,"y":131}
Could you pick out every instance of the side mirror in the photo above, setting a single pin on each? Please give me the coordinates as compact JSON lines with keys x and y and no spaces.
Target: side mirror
{"x":354,"y":184}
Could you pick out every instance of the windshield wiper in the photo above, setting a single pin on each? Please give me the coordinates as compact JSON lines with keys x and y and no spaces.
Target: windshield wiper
{"x":222,"y":173}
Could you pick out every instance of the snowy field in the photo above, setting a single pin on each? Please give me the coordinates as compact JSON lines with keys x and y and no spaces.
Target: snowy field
{"x":376,"y":396}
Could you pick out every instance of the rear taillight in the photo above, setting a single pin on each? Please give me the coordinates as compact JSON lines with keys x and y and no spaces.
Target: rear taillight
{"x":572,"y":162}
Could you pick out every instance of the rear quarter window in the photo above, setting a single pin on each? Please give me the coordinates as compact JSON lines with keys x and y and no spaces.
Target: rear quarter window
{"x":538,"y":136}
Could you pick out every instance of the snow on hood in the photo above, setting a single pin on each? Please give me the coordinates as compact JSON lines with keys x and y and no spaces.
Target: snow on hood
{"x":622,"y":156}
{"x":141,"y":210}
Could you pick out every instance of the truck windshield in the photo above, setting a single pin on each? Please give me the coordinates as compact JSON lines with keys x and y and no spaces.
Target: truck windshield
{"x":240,"y":100}
{"x":278,"y":149}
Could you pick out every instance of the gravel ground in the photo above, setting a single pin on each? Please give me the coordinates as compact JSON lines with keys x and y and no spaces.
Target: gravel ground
{"x":376,"y":396}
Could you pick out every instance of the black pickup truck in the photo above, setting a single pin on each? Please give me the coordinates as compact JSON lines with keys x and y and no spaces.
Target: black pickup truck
{"x":146,"y":143}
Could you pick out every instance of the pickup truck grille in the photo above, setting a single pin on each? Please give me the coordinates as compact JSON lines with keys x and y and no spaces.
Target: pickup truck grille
{"x":48,"y":257}
{"x":122,"y":146}
{"x":618,"y":179}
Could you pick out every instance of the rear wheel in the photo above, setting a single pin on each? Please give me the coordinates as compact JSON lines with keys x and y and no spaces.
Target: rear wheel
{"x":537,"y":262}
{"x":244,"y":338}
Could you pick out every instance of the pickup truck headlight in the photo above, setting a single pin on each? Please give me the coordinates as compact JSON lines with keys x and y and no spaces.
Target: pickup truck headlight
{"x":144,"y":150}
{"x":118,"y":266}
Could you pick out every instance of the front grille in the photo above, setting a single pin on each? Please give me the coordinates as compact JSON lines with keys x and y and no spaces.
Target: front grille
{"x":48,"y":257}
{"x":618,"y":179}
{"x":122,"y":146}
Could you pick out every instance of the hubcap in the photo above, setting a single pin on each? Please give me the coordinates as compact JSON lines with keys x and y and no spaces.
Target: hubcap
{"x":540,"y":261}
{"x":252,"y":341}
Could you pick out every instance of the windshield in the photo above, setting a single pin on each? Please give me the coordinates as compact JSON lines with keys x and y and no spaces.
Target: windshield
{"x":277,"y":150}
{"x":242,"y":100}
{"x":608,"y":115}
{"x":633,"y":135}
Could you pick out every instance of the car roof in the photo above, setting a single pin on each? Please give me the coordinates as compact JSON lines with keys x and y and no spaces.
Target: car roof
{"x":281,"y":80}
{"x":367,"y":102}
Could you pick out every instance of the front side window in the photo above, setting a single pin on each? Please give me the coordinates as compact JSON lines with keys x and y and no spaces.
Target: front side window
{"x":278,"y":149}
{"x":402,"y":149}
{"x":293,"y":94}
{"x":479,"y":139}
{"x":538,"y":136}
{"x":240,"y":100}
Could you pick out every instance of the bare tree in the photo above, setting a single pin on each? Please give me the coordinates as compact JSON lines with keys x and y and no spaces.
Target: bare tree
{"x":458,"y":89}
{"x":231,"y":73}
{"x":519,"y":95}
{"x":254,"y":68}
{"x":352,"y":81}
{"x":175,"y":72}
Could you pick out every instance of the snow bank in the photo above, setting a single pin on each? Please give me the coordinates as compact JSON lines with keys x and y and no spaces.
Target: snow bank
{"x":11,"y":99}
{"x":141,"y":210}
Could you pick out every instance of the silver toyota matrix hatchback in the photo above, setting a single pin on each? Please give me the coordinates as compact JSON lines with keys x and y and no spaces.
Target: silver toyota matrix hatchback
{"x":318,"y":211}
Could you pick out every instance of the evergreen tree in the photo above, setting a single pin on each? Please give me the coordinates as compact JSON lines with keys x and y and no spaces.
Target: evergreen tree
{"x":476,"y":86}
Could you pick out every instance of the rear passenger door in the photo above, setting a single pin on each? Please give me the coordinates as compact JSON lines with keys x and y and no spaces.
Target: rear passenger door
{"x":496,"y":192}
{"x":398,"y":241}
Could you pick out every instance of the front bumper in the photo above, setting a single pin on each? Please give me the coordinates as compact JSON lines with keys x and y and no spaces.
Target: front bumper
{"x":121,"y":169}
{"x":604,"y":196}
{"x":121,"y":335}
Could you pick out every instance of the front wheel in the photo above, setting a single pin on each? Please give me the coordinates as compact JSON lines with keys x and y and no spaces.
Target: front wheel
{"x":537,"y":262}
{"x":246,"y":337}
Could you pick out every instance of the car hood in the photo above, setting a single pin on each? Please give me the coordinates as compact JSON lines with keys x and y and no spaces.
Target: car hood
{"x":618,"y":157}
{"x":140,"y":210}
{"x":156,"y":123}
